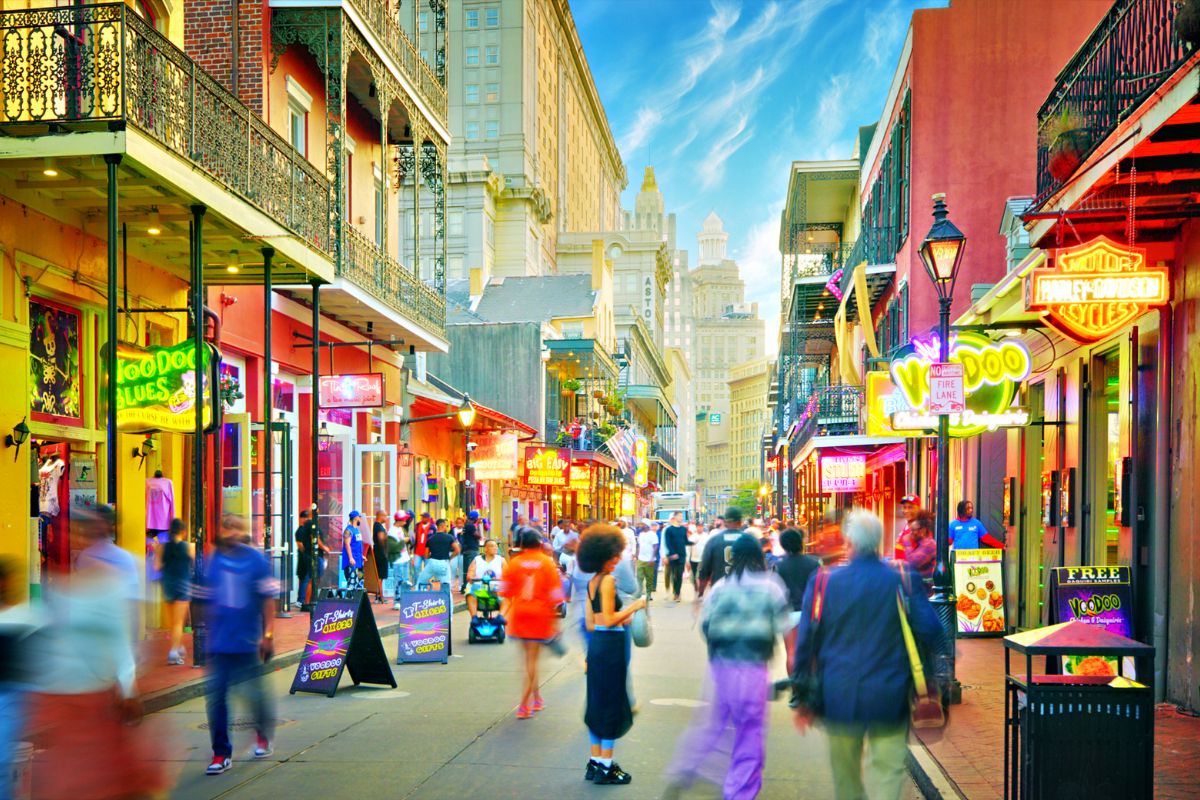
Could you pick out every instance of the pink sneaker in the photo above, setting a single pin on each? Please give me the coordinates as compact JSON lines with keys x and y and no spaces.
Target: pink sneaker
{"x":538,"y":705}
{"x":523,"y":712}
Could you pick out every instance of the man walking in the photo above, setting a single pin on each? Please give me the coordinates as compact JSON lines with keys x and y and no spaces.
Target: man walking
{"x":240,"y":592}
{"x":858,"y":628}
{"x":675,"y":543}
{"x":647,"y":560}
{"x":305,"y":542}
{"x":442,"y":546}
{"x":717,"y":559}
{"x":471,"y":543}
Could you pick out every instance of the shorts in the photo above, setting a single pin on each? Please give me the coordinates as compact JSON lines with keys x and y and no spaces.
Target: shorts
{"x":176,"y":591}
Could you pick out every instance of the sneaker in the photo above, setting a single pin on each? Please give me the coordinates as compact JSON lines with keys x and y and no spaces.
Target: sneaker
{"x":396,"y":606}
{"x":219,"y":764}
{"x":523,"y":712}
{"x":538,"y":705}
{"x":262,"y":748}
{"x":556,"y":646}
{"x":593,"y":769}
{"x":612,"y":776}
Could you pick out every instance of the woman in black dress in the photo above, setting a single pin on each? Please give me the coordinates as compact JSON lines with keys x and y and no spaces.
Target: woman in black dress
{"x":608,"y":716}
{"x":175,"y":559}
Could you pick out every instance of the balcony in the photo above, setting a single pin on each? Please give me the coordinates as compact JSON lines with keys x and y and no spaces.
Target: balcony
{"x":1130,"y":54}
{"x":832,"y":411}
{"x":665,"y":456}
{"x":101,"y":67}
{"x":391,"y":283}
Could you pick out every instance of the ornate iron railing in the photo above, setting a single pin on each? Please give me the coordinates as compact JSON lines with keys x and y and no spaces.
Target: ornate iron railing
{"x":818,"y":259}
{"x":380,"y":15}
{"x":75,"y":65}
{"x":390,"y":282}
{"x":664,"y":455}
{"x":1130,"y":54}
{"x":832,"y":411}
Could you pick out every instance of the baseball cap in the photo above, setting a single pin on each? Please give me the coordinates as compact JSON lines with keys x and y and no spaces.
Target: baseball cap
{"x":426,"y":515}
{"x":355,"y":515}
{"x":473,"y":515}
{"x":732,"y":514}
{"x":910,"y":498}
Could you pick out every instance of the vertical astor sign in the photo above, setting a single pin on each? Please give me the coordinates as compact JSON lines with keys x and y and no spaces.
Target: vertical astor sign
{"x":946,"y":395}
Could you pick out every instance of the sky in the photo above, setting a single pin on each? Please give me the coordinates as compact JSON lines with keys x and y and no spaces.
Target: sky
{"x":720,"y":96}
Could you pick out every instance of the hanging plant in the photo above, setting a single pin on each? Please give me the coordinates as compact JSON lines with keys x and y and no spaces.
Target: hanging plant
{"x":598,"y":394}
{"x":1066,"y":139}
{"x":571,"y":385}
{"x":230,"y":389}
{"x":603,"y":432}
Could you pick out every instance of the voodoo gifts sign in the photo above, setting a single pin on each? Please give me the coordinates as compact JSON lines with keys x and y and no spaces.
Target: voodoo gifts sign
{"x":424,"y":626}
{"x":342,"y":634}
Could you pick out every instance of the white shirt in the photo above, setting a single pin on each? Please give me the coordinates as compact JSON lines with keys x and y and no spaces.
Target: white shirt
{"x":699,"y":545}
{"x":647,"y":542}
{"x":485,"y":568}
{"x":630,"y":541}
{"x":397,"y":532}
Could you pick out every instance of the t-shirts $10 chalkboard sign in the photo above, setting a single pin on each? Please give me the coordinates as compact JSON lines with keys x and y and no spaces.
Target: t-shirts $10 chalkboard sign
{"x":424,"y":626}
{"x":342,"y":634}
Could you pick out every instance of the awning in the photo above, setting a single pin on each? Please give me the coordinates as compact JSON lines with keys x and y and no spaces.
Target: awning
{"x":431,"y":399}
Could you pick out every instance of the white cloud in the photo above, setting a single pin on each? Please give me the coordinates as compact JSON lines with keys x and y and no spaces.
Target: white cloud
{"x":643,"y":125}
{"x":712,"y":167}
{"x":759,"y":261}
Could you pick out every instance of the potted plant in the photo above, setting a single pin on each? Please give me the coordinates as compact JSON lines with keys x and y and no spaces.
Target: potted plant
{"x":598,"y":394}
{"x":1065,"y":137}
{"x":603,"y":432}
{"x":1187,"y":21}
{"x":563,"y":439}
{"x":571,"y":385}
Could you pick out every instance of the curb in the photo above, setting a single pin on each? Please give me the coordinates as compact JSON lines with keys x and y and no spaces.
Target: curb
{"x":931,"y":781}
{"x":189,"y":690}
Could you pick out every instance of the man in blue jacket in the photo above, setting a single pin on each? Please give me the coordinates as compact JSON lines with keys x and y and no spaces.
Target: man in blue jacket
{"x":851,"y":639}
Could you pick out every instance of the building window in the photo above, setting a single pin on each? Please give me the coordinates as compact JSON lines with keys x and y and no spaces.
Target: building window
{"x":493,"y":16}
{"x":493,"y":93}
{"x":423,"y":22}
{"x":298,"y":129}
{"x":473,"y":56}
{"x":455,"y":227}
{"x":472,"y":90}
{"x":473,"y":18}
{"x":492,"y":129}
{"x":572,"y":330}
{"x":472,"y":130}
{"x":492,"y":54}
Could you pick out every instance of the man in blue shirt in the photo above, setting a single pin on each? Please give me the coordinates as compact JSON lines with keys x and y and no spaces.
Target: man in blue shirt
{"x":352,"y":551}
{"x":239,"y":590}
{"x":968,"y":533}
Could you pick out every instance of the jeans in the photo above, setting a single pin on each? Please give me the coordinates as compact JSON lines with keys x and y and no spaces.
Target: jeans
{"x":465,"y":564}
{"x":227,"y":671}
{"x":887,"y":747}
{"x":740,"y":690}
{"x":646,"y":578}
{"x":306,"y":581}
{"x":675,"y":576}
{"x":436,"y":568}
{"x":695,"y":574}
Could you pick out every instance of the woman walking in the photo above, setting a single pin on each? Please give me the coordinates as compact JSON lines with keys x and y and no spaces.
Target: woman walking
{"x":174,"y":561}
{"x":608,"y":716}
{"x":534,"y":591}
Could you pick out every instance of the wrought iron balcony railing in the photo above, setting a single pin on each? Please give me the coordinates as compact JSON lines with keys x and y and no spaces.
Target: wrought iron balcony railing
{"x":818,"y":259}
{"x":75,"y":65}
{"x":390,"y":282}
{"x":1130,"y":54}
{"x":664,"y":455}
{"x":381,"y":15}
{"x":832,"y":411}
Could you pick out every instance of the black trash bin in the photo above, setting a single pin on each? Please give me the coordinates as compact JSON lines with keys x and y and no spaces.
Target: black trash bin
{"x":1077,"y":737}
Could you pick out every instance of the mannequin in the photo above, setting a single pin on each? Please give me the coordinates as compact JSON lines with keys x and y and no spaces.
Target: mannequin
{"x":160,"y":510}
{"x":49,"y":475}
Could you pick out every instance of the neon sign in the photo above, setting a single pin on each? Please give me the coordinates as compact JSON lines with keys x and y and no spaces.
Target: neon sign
{"x":898,"y":402}
{"x":546,"y":466}
{"x":1095,"y":289}
{"x":641,"y":463}
{"x":156,"y":388}
{"x":843,"y":473}
{"x":363,"y":390}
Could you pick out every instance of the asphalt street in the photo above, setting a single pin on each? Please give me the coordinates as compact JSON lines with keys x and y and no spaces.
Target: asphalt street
{"x":449,"y":731}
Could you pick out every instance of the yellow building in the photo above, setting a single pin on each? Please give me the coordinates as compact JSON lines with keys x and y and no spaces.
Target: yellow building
{"x":749,"y":384}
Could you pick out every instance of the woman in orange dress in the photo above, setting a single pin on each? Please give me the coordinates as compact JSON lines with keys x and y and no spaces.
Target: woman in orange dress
{"x":534,"y":591}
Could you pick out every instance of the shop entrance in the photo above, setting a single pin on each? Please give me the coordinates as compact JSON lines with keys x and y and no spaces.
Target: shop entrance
{"x":1034,"y":554}
{"x":333,"y":490}
{"x":235,"y":470}
{"x":375,"y":477}
{"x":1105,"y":538}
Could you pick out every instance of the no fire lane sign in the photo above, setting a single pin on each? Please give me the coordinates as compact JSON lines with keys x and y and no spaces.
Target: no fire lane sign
{"x":946,"y":395}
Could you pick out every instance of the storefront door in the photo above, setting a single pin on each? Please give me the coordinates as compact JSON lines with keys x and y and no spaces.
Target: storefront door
{"x":1104,"y":538}
{"x":1033,"y":550}
{"x":235,"y":469}
{"x":375,"y":479}
{"x":333,"y":490}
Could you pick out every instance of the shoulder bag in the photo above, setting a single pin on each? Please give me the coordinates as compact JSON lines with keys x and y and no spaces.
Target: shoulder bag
{"x":807,"y":689}
{"x":925,"y":706}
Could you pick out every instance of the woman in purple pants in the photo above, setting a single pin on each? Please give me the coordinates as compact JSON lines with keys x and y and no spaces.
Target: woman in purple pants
{"x":742,"y":618}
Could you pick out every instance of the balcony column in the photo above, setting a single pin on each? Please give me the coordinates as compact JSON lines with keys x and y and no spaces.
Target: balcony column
{"x":199,"y":629}
{"x":112,"y":161}
{"x":385,"y":106}
{"x":335,"y":128}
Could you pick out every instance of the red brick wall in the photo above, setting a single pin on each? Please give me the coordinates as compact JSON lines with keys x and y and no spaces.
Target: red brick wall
{"x":208,"y":38}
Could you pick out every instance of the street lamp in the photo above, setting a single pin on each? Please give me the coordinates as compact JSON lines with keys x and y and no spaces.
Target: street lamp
{"x":466,"y":417}
{"x":942,"y":253}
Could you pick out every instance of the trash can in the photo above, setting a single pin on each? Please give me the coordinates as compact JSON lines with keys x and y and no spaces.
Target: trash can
{"x":1078,"y":737}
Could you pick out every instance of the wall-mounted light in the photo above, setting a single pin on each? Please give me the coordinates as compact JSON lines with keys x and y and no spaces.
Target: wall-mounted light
{"x":143,"y":450}
{"x":18,"y":437}
{"x":406,"y":455}
{"x":324,"y":437}
{"x":277,"y":434}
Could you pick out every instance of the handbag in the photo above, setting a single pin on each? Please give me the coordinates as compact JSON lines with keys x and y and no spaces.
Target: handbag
{"x":639,"y":628}
{"x":807,"y":689}
{"x":925,"y":706}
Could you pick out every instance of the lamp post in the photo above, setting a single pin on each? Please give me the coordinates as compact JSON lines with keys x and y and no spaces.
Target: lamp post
{"x":466,"y":417}
{"x":942,"y":253}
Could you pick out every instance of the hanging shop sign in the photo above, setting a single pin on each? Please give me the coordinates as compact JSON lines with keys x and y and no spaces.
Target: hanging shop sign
{"x":581,"y":477}
{"x":156,"y":388}
{"x":843,"y":473}
{"x":546,"y":466}
{"x":495,"y":456}
{"x":898,"y":400}
{"x":1096,"y":288}
{"x":357,"y":390}
{"x":641,"y":462}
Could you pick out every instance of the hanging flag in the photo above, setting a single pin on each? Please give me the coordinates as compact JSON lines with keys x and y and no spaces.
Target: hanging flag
{"x":429,"y":487}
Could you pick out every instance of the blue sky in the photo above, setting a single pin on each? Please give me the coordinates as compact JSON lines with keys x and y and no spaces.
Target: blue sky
{"x":722,"y":95}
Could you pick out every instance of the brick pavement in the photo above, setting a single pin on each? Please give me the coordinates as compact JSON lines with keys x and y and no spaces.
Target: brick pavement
{"x":971,"y":750}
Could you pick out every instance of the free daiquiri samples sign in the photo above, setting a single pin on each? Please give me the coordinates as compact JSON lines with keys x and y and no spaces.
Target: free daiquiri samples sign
{"x":156,"y":387}
{"x":1095,"y":289}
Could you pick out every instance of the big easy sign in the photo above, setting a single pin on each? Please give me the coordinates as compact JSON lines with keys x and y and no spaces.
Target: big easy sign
{"x":1096,"y":288}
{"x":546,"y":466}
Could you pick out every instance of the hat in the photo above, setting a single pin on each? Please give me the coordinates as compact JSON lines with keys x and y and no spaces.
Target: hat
{"x":732,"y":514}
{"x":910,"y":498}
{"x":355,"y":515}
{"x":473,"y":515}
{"x":426,"y":514}
{"x":746,"y":544}
{"x":400,"y":516}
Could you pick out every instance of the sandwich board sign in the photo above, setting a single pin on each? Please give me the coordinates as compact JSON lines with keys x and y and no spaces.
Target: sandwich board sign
{"x":342,"y":635}
{"x":425,"y":626}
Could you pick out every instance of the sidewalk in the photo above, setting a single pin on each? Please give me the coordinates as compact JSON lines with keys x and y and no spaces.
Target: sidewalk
{"x":970,"y":752}
{"x":163,"y":686}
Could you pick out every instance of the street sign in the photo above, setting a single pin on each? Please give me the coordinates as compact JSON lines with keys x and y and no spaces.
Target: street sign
{"x":946,"y":394}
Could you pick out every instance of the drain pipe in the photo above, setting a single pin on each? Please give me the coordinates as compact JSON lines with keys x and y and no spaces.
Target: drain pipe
{"x":1161,"y":550}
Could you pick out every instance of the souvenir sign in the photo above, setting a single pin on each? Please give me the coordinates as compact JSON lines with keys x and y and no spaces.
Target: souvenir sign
{"x":495,"y":456}
{"x":424,"y":625}
{"x":1095,"y":289}
{"x":843,"y":473}
{"x":546,"y":466}
{"x":54,"y":363}
{"x":898,"y":400}
{"x":1095,"y":596}
{"x":156,"y":387}
{"x":342,"y":634}
{"x":979,"y":590}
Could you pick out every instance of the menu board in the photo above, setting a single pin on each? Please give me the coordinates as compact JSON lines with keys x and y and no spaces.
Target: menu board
{"x":342,"y":634}
{"x":424,"y":626}
{"x":979,"y":589}
{"x":1094,"y":596}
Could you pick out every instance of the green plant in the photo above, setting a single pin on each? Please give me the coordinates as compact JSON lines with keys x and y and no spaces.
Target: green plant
{"x":1055,"y":128}
{"x":603,"y":432}
{"x":563,"y":438}
{"x":572,"y":385}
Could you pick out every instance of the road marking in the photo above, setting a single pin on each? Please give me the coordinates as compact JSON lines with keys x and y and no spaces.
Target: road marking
{"x":685,"y":702}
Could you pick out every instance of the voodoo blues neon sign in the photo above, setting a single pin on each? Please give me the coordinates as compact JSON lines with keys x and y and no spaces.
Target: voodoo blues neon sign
{"x":992,"y":375}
